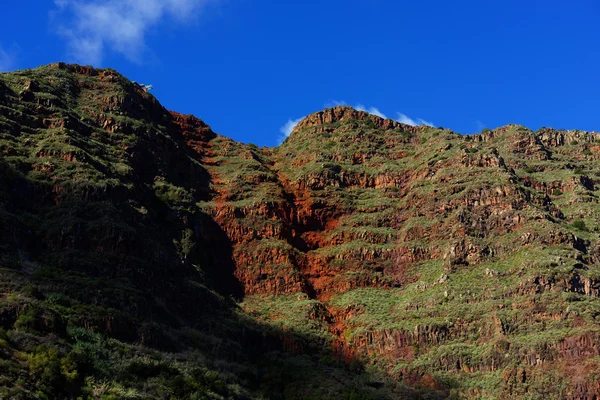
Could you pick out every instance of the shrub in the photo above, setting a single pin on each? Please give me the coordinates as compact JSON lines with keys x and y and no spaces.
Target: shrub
{"x":579,"y":225}
{"x":53,"y":371}
{"x":407,"y":134}
{"x":578,"y":171}
{"x":31,"y":291}
{"x":3,"y":339}
{"x":557,"y":192}
{"x":27,"y":320}
{"x":186,"y":244}
{"x":59,"y":299}
{"x":171,"y":194}
{"x":485,"y":130}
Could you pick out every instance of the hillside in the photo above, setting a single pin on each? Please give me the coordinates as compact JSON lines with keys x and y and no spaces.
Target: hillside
{"x":144,"y":256}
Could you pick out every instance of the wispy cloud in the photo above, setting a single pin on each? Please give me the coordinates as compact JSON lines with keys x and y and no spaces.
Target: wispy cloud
{"x":370,"y":110}
{"x":92,"y":27}
{"x":405,"y":119}
{"x":287,"y":129}
{"x":359,"y":107}
{"x":480,"y":125}
{"x":335,"y":103}
{"x":7,"y":60}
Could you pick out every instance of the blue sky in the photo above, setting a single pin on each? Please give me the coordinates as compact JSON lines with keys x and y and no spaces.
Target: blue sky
{"x":251,"y":68}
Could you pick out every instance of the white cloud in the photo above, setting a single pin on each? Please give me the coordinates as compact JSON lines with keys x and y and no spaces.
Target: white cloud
{"x":359,"y":107}
{"x":7,"y":60}
{"x":405,"y":119}
{"x":92,"y":27}
{"x":370,"y":110}
{"x":287,"y":129}
{"x":335,"y":103}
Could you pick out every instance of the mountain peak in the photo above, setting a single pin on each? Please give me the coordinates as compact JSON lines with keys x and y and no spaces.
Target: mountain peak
{"x":76,"y":68}
{"x":347,"y":113}
{"x":437,"y":260}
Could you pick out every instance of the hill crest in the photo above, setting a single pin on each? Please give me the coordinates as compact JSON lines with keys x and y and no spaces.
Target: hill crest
{"x":446,"y":264}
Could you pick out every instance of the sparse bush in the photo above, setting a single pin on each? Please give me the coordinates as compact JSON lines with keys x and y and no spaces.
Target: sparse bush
{"x":407,"y":134}
{"x":171,"y":194}
{"x":186,"y":244}
{"x":56,"y":373}
{"x":26,"y":320}
{"x":579,"y":225}
{"x":59,"y":299}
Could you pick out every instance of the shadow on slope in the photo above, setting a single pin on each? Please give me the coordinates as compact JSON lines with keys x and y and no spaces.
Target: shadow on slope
{"x":98,"y":301}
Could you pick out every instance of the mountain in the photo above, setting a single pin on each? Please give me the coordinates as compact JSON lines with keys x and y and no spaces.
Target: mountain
{"x":144,"y":256}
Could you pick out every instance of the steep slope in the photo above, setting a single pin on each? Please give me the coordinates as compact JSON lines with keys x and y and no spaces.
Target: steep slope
{"x":467,"y":264}
{"x":145,"y":256}
{"x":114,"y":282}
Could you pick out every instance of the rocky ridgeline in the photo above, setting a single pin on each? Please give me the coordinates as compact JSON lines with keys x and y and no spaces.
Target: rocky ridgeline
{"x":348,"y":225}
{"x":467,"y":265}
{"x":320,"y":120}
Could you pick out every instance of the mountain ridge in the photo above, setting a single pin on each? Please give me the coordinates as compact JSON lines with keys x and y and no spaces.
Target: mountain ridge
{"x":412,"y":261}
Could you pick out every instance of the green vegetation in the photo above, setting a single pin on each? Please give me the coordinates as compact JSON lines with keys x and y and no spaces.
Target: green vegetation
{"x":579,"y":225}
{"x":145,"y":257}
{"x":115,"y":279}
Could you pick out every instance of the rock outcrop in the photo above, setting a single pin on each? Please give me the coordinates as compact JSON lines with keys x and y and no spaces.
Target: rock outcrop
{"x":466,"y":265}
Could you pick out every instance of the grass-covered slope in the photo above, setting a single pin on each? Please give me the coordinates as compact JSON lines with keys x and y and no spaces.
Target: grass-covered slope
{"x":143,"y":256}
{"x":114,"y":281}
{"x":467,"y":264}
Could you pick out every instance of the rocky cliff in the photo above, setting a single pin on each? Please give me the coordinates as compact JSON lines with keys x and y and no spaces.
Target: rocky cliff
{"x":362,"y":258}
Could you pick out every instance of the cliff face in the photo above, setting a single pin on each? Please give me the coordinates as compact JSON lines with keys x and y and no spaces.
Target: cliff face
{"x":453,"y":265}
{"x":440,"y":256}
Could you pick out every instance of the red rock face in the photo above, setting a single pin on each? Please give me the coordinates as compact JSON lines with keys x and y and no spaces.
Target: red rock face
{"x":440,"y":257}
{"x":325,"y":222}
{"x":194,"y":130}
{"x":302,"y":225}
